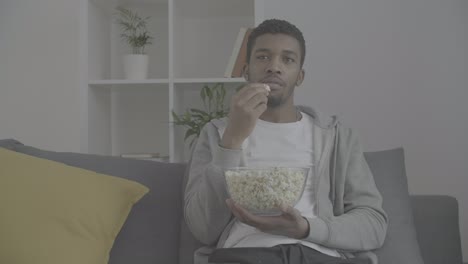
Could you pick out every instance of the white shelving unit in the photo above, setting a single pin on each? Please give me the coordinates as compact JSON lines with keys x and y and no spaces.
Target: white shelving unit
{"x":192,"y":44}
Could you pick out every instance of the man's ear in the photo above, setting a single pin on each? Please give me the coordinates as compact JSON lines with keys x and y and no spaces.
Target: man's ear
{"x":300,"y":77}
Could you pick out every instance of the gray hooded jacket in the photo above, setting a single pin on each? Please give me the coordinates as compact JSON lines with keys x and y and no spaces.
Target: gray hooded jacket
{"x":348,"y":207}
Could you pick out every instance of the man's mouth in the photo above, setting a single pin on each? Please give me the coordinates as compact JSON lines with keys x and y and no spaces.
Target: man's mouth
{"x":274,"y":83}
{"x":274,"y":86}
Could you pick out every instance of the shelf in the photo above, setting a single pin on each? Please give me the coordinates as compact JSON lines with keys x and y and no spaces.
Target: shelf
{"x":193,"y":41}
{"x":97,"y":83}
{"x":165,"y":81}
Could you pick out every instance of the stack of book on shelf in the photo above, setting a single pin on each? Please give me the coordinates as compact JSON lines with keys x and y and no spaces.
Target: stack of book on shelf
{"x":239,"y":54}
{"x":146,"y":156}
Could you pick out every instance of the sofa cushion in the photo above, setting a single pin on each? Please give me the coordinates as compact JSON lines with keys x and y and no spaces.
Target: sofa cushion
{"x":54,"y":213}
{"x":401,"y":245}
{"x":148,"y":236}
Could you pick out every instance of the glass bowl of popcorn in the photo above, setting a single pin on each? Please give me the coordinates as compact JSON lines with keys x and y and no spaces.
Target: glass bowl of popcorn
{"x":262,"y":190}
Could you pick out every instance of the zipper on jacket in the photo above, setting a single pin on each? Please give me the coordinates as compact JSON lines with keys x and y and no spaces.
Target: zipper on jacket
{"x":323,"y":160}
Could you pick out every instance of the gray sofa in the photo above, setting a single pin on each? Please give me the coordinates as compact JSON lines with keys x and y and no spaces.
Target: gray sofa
{"x":422,"y":228}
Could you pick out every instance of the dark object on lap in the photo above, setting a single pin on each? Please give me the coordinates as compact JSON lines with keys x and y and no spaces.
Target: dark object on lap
{"x":281,"y":254}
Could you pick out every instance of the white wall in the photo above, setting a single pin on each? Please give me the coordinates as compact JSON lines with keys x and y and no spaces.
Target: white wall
{"x":396,"y":70}
{"x":39,"y":73}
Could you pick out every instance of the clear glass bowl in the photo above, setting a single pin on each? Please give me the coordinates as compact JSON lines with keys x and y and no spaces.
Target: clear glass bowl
{"x":263,"y":190}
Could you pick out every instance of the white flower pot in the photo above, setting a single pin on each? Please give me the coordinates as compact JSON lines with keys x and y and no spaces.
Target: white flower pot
{"x":135,"y":66}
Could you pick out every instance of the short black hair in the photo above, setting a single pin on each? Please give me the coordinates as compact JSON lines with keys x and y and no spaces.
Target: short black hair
{"x":276,"y":26}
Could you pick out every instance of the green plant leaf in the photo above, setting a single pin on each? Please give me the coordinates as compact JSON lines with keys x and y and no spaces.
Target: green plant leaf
{"x":215,"y":87}
{"x":192,"y":142}
{"x":190,"y":132}
{"x":217,"y":95}
{"x":203,"y":96}
{"x":222,"y":97}
{"x":195,"y":119}
{"x":223,"y":93}
{"x":175,"y":117}
{"x":209,"y":93}
{"x":198,"y":116}
{"x":201,"y":112}
{"x":133,"y":28}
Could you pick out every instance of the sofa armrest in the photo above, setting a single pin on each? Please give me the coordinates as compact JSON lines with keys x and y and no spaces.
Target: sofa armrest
{"x":437,"y":228}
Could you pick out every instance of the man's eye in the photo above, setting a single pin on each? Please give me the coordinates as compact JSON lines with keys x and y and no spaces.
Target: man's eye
{"x":262,"y":57}
{"x":289,"y":60}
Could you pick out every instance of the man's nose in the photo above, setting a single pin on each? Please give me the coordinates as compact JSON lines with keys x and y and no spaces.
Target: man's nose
{"x":275,"y":66}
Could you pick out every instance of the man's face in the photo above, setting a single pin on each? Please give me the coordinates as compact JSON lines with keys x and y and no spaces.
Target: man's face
{"x":276,"y":60}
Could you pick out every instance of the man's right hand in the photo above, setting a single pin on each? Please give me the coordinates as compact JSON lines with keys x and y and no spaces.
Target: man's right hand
{"x":247,"y":106}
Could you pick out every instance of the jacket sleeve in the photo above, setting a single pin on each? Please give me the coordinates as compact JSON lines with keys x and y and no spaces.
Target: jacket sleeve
{"x":205,"y":210}
{"x":359,"y":222}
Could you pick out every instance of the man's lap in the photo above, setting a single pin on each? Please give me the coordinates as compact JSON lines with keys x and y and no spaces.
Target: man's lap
{"x":281,"y":254}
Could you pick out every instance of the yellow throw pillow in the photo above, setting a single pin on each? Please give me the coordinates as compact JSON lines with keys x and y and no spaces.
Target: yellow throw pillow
{"x":51,"y":213}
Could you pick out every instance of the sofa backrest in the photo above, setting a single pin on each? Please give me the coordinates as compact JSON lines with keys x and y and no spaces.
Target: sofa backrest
{"x":155,"y":231}
{"x":401,"y":245}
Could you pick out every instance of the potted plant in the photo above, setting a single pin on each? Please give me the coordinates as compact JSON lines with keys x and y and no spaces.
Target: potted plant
{"x":136,"y":35}
{"x":195,"y":119}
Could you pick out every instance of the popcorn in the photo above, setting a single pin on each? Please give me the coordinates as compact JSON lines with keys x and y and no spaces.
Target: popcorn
{"x":264,"y":190}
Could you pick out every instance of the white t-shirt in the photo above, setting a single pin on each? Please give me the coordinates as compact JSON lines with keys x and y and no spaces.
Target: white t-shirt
{"x":280,"y":144}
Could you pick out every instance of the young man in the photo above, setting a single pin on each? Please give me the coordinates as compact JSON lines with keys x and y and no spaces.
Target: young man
{"x":339,"y":217}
